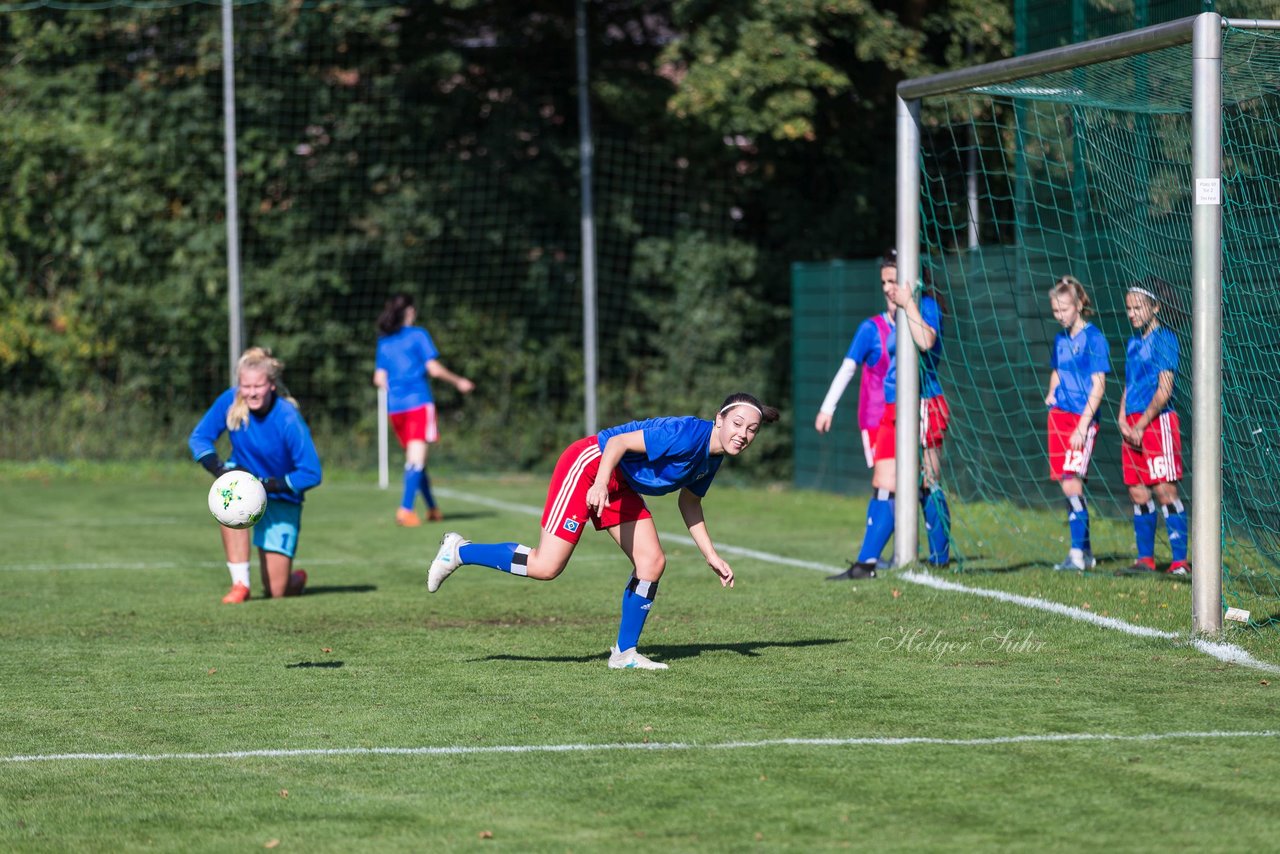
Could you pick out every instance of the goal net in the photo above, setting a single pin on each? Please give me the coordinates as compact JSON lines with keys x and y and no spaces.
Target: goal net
{"x":1088,"y":172}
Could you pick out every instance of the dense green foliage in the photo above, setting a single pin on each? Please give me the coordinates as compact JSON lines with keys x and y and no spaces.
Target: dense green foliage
{"x":434,"y":148}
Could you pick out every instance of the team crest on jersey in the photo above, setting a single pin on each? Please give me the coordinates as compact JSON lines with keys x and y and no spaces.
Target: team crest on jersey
{"x":571,"y":525}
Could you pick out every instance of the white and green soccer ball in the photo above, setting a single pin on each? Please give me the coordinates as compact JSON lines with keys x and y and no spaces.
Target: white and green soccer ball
{"x":237,"y":499}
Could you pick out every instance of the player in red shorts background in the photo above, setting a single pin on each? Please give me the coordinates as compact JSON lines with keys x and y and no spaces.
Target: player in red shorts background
{"x":1152,"y":447}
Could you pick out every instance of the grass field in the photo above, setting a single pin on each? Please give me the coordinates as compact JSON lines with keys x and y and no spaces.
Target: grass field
{"x":141,"y":714}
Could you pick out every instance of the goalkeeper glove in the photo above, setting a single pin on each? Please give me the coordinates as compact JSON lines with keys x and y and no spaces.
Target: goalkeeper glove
{"x":215,"y":466}
{"x":276,"y":484}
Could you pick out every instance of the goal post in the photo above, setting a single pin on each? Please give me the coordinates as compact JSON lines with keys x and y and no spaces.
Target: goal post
{"x":1064,"y":232}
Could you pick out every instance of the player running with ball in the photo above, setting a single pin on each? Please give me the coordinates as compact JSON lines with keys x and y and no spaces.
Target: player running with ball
{"x":602,"y":479}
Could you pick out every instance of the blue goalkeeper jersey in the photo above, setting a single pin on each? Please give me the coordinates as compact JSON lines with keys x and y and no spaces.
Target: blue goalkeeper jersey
{"x":1077,"y":358}
{"x":404,"y":356}
{"x":929,"y":384}
{"x":1146,"y":358}
{"x":276,"y":444}
{"x":677,"y":455}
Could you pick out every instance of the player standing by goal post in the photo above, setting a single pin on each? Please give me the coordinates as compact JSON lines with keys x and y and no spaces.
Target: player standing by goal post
{"x":870,"y":348}
{"x":1080,"y":363}
{"x":924,"y":319}
{"x":1152,"y":447}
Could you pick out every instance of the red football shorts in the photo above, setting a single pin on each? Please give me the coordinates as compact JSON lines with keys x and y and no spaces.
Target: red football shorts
{"x":416,"y":425}
{"x":1160,"y":459}
{"x":1065,"y":461}
{"x":935,"y":415}
{"x":566,"y":514}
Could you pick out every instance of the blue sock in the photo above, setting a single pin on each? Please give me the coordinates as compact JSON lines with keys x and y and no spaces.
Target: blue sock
{"x":507,"y":557}
{"x":937,"y":521}
{"x":636,"y":601}
{"x":879,"y":526}
{"x":413,"y":476}
{"x":425,"y":486}
{"x":1175,"y":520}
{"x":1144,"y":529}
{"x":1078,"y":521}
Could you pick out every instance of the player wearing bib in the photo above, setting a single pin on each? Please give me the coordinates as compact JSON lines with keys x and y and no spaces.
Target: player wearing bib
{"x":1080,"y":362}
{"x":406,"y":356}
{"x":270,"y":440}
{"x":925,"y":323}
{"x":1152,"y":446}
{"x":601,"y":479}
{"x":870,"y":348}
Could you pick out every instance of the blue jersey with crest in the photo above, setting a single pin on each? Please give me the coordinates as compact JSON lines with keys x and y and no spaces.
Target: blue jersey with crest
{"x":1146,"y":357}
{"x":1077,"y":358}
{"x":404,"y":356}
{"x":929,"y":384}
{"x":677,"y":455}
{"x":276,"y":443}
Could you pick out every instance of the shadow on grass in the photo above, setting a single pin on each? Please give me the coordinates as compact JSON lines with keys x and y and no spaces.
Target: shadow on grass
{"x":322,"y":665}
{"x":322,"y":589}
{"x":673,"y":652}
{"x":451,"y":517}
{"x":1106,"y":565}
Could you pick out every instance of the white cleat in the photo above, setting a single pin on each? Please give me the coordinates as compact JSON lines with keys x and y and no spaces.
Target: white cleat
{"x":446,"y":561}
{"x":630,"y":659}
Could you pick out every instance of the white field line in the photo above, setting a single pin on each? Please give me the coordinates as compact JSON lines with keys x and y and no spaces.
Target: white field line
{"x":1053,"y":738}
{"x":1229,"y":653}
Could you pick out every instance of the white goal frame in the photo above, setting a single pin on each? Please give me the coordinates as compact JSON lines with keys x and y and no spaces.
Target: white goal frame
{"x":1204,"y":33}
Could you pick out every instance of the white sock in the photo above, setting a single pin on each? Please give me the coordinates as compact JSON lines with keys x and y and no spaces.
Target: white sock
{"x":239,"y":573}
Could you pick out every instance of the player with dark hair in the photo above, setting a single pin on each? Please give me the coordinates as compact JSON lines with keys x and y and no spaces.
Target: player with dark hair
{"x":1080,"y":362}
{"x":602,"y":479}
{"x":1152,"y":447}
{"x":405,"y":351}
{"x":924,"y":319}
{"x":269,"y":440}
{"x":870,"y":348}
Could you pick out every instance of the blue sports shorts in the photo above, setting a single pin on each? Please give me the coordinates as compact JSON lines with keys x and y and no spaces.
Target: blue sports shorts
{"x":277,"y":530}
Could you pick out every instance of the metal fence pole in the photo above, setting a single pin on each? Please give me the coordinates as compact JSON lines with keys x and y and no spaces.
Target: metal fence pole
{"x":235,"y":314}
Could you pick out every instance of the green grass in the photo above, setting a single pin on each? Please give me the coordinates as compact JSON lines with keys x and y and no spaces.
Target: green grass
{"x":114,"y":641}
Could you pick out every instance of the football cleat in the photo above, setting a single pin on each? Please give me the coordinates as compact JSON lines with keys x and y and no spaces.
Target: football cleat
{"x":406,"y":518}
{"x":434,"y":515}
{"x":1179,"y":568}
{"x":238,"y":593}
{"x":297,"y":581}
{"x":630,"y":659}
{"x":446,"y":561}
{"x":1077,"y":561}
{"x":855,"y":571}
{"x":1141,"y":566}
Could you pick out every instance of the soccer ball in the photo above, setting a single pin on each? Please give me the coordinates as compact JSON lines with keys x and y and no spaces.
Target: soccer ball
{"x":237,"y":499}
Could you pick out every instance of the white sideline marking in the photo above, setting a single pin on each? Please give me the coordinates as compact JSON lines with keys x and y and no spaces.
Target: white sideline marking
{"x":1053,"y":738}
{"x":1221,"y":651}
{"x":1229,"y":653}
